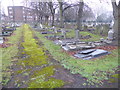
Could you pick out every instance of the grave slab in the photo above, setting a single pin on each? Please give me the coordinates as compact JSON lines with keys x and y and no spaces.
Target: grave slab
{"x":47,"y":32}
{"x":77,"y":47}
{"x":54,"y":37}
{"x":63,"y":42}
{"x":91,"y":53}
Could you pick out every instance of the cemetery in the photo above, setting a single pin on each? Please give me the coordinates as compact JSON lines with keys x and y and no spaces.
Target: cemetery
{"x":59,"y":45}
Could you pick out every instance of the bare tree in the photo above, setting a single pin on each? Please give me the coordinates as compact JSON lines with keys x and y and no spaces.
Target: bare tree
{"x":52,"y":7}
{"x":70,"y":14}
{"x":116,"y":15}
{"x":79,"y":16}
{"x":41,"y":10}
{"x":63,"y":6}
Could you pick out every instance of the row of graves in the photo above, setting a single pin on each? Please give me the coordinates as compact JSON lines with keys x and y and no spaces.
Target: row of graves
{"x":6,"y":30}
{"x":83,"y":50}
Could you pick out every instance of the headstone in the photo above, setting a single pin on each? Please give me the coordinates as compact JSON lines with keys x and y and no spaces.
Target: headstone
{"x":1,"y":40}
{"x":55,"y":30}
{"x":110,"y":34}
{"x":64,"y":33}
{"x":111,"y":25}
{"x":41,"y":26}
{"x":77,"y":34}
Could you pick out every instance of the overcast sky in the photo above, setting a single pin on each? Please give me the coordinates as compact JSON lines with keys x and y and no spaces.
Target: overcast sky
{"x":94,"y":4}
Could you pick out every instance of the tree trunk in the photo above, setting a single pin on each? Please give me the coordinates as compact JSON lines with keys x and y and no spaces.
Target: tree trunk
{"x":46,"y":20}
{"x":38,"y":19}
{"x":52,"y":12}
{"x":53,"y":19}
{"x":61,"y":14}
{"x":41,"y":19}
{"x":79,"y":16}
{"x":116,"y":14}
{"x":119,"y":21}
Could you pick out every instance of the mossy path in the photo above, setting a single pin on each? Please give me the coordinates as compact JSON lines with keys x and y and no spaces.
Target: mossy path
{"x":33,"y":68}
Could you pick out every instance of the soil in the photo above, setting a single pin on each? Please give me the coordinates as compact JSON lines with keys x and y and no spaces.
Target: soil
{"x":5,"y":45}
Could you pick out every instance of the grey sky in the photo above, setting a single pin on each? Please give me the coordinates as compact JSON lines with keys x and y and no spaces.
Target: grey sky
{"x":94,"y":4}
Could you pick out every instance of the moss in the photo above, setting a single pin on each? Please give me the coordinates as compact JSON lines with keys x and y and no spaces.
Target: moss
{"x":32,"y":50}
{"x":35,"y":57}
{"x":47,"y":71}
{"x":51,"y":83}
{"x":23,"y":70}
{"x":116,"y":76}
{"x":19,"y":71}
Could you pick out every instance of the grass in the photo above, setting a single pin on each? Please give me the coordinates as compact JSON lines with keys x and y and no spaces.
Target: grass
{"x":71,"y":34}
{"x":94,"y":70}
{"x":9,"y":53}
{"x":84,"y":33}
{"x":102,"y":30}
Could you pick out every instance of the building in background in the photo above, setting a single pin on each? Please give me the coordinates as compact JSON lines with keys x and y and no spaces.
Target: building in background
{"x":20,"y":14}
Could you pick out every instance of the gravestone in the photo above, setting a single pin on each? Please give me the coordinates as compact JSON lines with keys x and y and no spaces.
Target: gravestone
{"x":64,"y":42}
{"x":101,"y":31}
{"x":55,"y":30}
{"x":110,"y":34}
{"x":77,"y":46}
{"x":64,"y":33}
{"x":41,"y":26}
{"x":91,"y":53}
{"x":76,"y":34}
{"x":1,"y":40}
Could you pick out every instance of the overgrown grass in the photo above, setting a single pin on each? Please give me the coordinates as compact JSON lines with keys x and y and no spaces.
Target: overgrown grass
{"x":94,"y":70}
{"x":9,"y":53}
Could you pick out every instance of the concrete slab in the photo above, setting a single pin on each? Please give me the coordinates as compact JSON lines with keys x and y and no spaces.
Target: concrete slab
{"x":76,"y":46}
{"x":63,"y":42}
{"x":91,"y":53}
